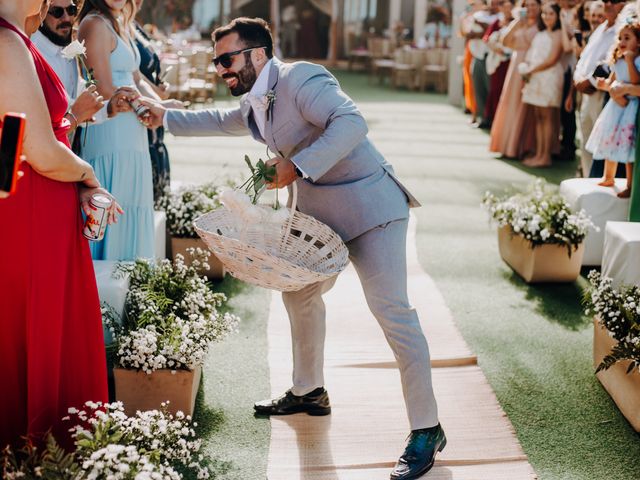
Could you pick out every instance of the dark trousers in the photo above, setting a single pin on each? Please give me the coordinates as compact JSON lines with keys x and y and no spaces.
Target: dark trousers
{"x":568,"y":119}
{"x":480,"y":85}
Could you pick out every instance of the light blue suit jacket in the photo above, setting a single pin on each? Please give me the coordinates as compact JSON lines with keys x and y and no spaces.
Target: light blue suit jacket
{"x":313,"y":122}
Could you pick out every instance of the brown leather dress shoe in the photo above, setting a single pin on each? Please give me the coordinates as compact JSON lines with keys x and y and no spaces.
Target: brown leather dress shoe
{"x":313,"y":403}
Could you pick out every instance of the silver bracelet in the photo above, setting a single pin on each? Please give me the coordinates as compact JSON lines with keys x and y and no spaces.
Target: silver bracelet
{"x":75,"y":119}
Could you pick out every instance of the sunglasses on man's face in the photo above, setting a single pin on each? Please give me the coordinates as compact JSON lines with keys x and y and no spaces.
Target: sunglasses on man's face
{"x":614,"y":1}
{"x":226,"y":59}
{"x":58,"y":12}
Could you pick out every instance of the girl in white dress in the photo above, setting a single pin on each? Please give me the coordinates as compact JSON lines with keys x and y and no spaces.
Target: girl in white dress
{"x":543,"y":75}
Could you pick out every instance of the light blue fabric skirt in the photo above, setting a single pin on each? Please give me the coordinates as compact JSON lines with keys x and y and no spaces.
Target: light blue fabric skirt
{"x":118,"y":150}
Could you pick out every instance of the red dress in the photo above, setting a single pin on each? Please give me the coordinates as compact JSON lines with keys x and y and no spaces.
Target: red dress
{"x":52,"y":354}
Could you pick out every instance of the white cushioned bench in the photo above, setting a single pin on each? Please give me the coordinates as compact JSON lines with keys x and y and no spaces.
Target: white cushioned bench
{"x":601,"y":204}
{"x":621,"y":256}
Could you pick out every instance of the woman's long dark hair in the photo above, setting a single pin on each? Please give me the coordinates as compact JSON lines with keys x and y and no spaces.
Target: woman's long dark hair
{"x":100,"y":6}
{"x":556,"y":8}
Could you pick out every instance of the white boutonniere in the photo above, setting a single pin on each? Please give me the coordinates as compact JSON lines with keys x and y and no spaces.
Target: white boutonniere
{"x":271,"y":100}
{"x":77,"y":50}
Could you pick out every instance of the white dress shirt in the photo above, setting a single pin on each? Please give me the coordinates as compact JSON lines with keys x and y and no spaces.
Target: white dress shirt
{"x":256,"y":96}
{"x":67,"y":70}
{"x":596,"y":51}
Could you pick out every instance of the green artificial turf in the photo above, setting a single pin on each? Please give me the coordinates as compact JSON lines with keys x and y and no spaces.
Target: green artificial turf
{"x":235,"y":375}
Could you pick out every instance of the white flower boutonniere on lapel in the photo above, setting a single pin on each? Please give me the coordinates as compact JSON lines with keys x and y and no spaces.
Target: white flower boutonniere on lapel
{"x":271,"y":100}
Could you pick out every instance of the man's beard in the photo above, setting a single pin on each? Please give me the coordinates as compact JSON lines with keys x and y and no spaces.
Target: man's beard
{"x":246,"y":78}
{"x":54,"y":37}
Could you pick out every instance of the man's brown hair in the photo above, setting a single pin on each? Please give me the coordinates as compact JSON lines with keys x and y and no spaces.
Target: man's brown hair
{"x":253,"y":32}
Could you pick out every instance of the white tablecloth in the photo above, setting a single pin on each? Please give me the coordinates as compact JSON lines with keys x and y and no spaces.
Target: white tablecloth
{"x":601,"y":204}
{"x":621,"y":257}
{"x":111,"y":290}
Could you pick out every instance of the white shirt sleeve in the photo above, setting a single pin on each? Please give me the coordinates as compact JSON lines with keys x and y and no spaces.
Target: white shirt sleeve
{"x":165,"y":123}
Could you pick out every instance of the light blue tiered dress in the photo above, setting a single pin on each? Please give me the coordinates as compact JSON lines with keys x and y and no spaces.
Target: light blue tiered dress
{"x":613,"y":135}
{"x":118,"y":150}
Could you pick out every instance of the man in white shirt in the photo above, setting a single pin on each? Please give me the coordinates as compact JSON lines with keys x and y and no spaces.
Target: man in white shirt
{"x":596,"y":51}
{"x":55,"y":33}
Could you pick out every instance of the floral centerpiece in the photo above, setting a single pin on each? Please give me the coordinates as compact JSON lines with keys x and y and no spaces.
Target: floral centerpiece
{"x":539,"y":217}
{"x":171,"y":318}
{"x":110,"y":445}
{"x":182,"y":207}
{"x":616,"y":341}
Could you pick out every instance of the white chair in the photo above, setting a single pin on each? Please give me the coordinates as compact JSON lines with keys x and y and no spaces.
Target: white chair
{"x":601,"y":204}
{"x":621,"y":256}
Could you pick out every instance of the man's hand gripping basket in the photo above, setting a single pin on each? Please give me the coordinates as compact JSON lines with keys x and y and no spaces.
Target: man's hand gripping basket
{"x":280,"y":255}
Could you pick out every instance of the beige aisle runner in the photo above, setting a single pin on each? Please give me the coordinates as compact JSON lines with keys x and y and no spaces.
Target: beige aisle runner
{"x":367,"y":429}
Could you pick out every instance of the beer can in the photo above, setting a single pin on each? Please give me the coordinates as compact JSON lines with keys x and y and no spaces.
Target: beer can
{"x":138,"y":108}
{"x":96,"y":222}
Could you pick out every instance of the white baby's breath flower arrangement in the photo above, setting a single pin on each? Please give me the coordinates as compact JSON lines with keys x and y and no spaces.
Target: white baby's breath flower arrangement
{"x":186,"y":204}
{"x":151,"y":445}
{"x":171,"y":315}
{"x":618,"y":310}
{"x":540,"y":215}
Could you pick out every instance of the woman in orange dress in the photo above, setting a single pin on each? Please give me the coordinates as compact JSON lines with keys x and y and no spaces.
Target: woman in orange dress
{"x":513,"y":129}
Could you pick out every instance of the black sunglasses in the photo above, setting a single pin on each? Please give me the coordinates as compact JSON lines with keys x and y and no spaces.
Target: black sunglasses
{"x":225,"y":59}
{"x":613,"y":1}
{"x":58,"y":12}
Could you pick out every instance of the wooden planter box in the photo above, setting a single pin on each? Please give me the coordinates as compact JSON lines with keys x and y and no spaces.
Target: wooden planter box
{"x":545,"y":263}
{"x":179,"y":245}
{"x":138,"y":390}
{"x":624,"y":388}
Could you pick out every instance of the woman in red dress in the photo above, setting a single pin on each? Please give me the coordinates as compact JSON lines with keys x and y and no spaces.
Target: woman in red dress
{"x":51,"y":346}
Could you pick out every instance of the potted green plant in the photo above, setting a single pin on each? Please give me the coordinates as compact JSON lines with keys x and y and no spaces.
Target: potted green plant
{"x":182,"y":207}
{"x":539,"y":236}
{"x":171,"y":318}
{"x":616,"y":342}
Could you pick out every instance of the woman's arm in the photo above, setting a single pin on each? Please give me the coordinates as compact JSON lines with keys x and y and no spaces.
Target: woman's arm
{"x":145,"y":86}
{"x":567,"y":38}
{"x":21,"y":91}
{"x":99,"y":41}
{"x":618,"y":89}
{"x":508,"y":39}
{"x":554,"y":55}
{"x":605,"y":84}
{"x":634,"y":75}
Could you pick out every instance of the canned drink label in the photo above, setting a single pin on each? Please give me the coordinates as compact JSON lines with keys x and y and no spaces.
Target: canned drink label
{"x":96,"y":222}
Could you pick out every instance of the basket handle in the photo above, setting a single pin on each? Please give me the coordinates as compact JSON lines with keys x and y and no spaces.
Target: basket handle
{"x":294,"y":203}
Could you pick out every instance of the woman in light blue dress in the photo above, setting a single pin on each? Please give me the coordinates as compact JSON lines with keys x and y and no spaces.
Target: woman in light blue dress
{"x":118,"y":148}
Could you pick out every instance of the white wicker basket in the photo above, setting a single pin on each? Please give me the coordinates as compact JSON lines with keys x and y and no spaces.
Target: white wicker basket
{"x":284,"y":257}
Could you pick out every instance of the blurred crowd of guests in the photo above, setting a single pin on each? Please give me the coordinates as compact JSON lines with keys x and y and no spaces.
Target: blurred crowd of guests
{"x":537,"y":72}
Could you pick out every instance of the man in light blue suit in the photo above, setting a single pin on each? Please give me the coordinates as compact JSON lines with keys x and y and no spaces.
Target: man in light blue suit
{"x":320,"y":141}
